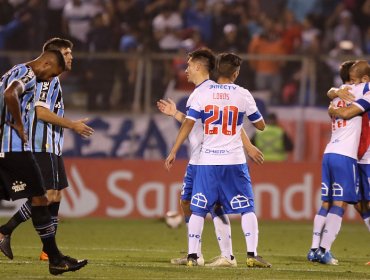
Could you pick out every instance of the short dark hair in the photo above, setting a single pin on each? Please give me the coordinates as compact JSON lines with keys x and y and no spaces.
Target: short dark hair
{"x":59,"y":56}
{"x":344,"y":70}
{"x":57,"y":44}
{"x":227,"y":64}
{"x":204,"y":55}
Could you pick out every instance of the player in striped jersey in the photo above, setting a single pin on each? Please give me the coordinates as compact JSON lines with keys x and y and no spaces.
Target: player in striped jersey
{"x":47,"y":122}
{"x":339,"y":176}
{"x":19,"y":173}
{"x":222,"y":174}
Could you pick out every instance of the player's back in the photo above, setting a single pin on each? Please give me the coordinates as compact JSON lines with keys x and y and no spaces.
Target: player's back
{"x":222,"y":109}
{"x":345,"y":135}
{"x":196,"y":135}
{"x":9,"y":138}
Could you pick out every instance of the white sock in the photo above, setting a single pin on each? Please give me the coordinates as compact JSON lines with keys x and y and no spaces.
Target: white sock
{"x":250,"y":229}
{"x":223,"y":234}
{"x":195,"y":232}
{"x":332,"y":227}
{"x":367,"y":223}
{"x":318,"y":225}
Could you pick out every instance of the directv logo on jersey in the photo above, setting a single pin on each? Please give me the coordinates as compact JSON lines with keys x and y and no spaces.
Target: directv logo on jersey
{"x":19,"y":186}
{"x":224,"y":86}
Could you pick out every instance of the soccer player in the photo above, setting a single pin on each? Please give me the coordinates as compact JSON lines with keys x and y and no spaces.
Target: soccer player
{"x":220,"y":220}
{"x":47,"y":122}
{"x":221,"y":173}
{"x":339,"y":177}
{"x":19,"y":173}
{"x":360,"y":75}
{"x":203,"y":62}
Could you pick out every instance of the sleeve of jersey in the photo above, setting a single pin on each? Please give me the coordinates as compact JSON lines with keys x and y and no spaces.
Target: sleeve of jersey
{"x":194,"y":111}
{"x":26,"y":77}
{"x":364,"y":102}
{"x":42,"y":93}
{"x":251,"y":109}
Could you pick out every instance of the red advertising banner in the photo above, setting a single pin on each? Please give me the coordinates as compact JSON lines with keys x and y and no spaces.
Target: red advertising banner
{"x":145,"y":189}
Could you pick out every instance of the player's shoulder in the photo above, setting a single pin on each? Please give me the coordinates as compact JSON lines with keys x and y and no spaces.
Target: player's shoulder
{"x":361,"y":88}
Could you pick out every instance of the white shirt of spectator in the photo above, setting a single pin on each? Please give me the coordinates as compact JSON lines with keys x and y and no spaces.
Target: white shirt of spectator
{"x":167,"y":26}
{"x":78,"y":18}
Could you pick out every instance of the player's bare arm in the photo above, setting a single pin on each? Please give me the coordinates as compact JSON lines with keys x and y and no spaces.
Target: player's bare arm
{"x":252,"y":151}
{"x":344,"y":113}
{"x":184,"y":131}
{"x":260,"y":125}
{"x":168,"y":107}
{"x":78,"y":126}
{"x":11,"y":98}
{"x":343,"y":93}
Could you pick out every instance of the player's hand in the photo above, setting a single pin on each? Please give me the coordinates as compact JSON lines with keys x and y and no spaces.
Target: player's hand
{"x":169,"y":161}
{"x":346,"y":95}
{"x":81,"y":128}
{"x":20,"y":131}
{"x":331,"y":109}
{"x":167,"y":107}
{"x":255,"y":154}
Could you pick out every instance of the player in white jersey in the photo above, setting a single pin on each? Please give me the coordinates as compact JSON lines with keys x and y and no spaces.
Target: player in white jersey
{"x":339,"y":178}
{"x":199,"y":75}
{"x":360,"y":74}
{"x":221,"y":221}
{"x":222,"y":174}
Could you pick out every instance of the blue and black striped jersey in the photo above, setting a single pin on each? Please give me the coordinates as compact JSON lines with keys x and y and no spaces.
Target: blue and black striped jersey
{"x":46,"y":137}
{"x":9,"y":138}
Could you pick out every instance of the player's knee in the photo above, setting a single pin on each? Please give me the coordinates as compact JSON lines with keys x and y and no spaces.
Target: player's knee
{"x":54,"y":196}
{"x":39,"y":200}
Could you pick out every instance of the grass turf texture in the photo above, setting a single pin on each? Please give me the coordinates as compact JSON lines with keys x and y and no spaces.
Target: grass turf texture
{"x":142,"y":249}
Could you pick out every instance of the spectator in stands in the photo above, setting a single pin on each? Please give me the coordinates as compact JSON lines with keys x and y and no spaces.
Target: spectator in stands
{"x":99,"y":72}
{"x":268,"y":71}
{"x":344,"y":48}
{"x":54,"y":17}
{"x":347,"y":30}
{"x":274,"y":142}
{"x":198,"y":17}
{"x":76,"y":18}
{"x":231,"y":41}
{"x":167,"y":27}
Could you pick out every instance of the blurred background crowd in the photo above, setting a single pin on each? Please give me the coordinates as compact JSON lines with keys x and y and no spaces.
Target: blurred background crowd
{"x":128,"y":53}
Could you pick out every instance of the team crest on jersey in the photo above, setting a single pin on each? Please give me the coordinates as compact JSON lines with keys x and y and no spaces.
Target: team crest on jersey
{"x":18,"y":186}
{"x":199,"y":200}
{"x":239,"y":201}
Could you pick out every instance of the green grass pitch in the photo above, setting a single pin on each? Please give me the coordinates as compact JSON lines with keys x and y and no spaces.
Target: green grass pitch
{"x":141,"y":249}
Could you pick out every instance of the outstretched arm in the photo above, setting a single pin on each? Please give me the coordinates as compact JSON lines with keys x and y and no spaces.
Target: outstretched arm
{"x":252,"y":151}
{"x":184,"y":131}
{"x":77,"y":126}
{"x":168,"y":107}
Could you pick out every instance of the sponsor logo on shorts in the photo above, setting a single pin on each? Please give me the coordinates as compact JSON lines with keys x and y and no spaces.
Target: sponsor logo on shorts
{"x":18,"y":186}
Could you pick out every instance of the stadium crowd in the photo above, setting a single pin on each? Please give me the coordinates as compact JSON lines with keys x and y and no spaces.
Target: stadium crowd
{"x":252,"y":27}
